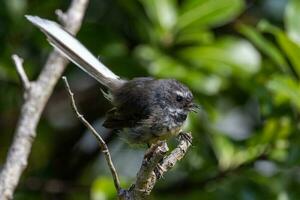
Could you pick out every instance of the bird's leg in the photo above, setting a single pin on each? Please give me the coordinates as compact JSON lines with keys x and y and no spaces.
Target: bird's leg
{"x":159,"y":170}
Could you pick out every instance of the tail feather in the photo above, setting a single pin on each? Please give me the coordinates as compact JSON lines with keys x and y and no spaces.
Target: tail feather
{"x":70,"y":47}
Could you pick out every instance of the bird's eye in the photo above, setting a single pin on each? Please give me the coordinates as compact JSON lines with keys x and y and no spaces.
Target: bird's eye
{"x":179,"y":98}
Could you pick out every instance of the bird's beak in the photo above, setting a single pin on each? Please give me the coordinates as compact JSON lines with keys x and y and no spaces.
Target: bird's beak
{"x":193,"y":107}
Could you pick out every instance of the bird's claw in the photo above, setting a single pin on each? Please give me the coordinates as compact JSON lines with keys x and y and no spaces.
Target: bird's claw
{"x":185,"y":136}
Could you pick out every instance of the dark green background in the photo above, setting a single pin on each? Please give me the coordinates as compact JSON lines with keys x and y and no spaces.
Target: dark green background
{"x":240,"y":58}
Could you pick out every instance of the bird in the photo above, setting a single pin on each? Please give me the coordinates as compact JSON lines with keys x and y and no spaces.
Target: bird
{"x":145,"y":110}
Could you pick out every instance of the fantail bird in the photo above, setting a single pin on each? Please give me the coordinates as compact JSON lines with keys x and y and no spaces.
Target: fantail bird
{"x":145,"y":109}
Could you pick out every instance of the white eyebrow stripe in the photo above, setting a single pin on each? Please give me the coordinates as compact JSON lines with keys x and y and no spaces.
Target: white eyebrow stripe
{"x":179,"y":93}
{"x":174,"y":110}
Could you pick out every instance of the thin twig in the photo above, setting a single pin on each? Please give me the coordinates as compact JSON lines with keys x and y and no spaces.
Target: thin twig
{"x":102,"y":143}
{"x":21,"y":72}
{"x":62,"y":17}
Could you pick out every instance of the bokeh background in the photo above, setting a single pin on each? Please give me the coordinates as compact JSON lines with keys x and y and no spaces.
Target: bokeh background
{"x":240,"y":58}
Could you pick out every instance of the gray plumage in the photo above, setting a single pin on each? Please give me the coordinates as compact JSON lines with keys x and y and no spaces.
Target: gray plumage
{"x":150,"y":109}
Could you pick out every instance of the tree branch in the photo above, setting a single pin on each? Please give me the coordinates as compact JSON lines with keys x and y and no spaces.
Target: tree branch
{"x":21,"y":72}
{"x":146,"y":177}
{"x":37,"y":97}
{"x":154,"y":168}
{"x":102,"y":143}
{"x":154,"y":165}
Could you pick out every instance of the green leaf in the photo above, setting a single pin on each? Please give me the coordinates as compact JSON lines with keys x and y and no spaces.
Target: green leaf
{"x":230,"y":155}
{"x":162,"y":12}
{"x":292,"y":19}
{"x":16,"y":8}
{"x":103,"y":189}
{"x":194,"y":36}
{"x":163,"y":17}
{"x":141,"y":25}
{"x":161,"y":65}
{"x":291,"y":49}
{"x":285,"y":90}
{"x":236,"y":56}
{"x":208,"y":12}
{"x":224,"y":150}
{"x":266,"y":46}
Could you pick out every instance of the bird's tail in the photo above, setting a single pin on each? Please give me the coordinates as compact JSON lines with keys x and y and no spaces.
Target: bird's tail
{"x":70,"y":47}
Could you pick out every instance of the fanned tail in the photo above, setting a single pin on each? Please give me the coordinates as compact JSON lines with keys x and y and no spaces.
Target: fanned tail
{"x":70,"y":47}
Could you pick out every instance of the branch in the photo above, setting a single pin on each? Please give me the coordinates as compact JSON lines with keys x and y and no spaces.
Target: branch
{"x":102,"y":143}
{"x":154,"y":165}
{"x":21,"y":72}
{"x":146,"y":177}
{"x":37,"y":97}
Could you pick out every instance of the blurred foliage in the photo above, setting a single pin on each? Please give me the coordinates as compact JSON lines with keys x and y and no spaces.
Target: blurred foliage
{"x":240,"y":58}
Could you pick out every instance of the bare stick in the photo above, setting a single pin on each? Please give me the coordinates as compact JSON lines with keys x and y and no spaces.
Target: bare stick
{"x":154,"y":165}
{"x":62,"y":18}
{"x":37,"y":97}
{"x":102,"y":143}
{"x":21,"y":72}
